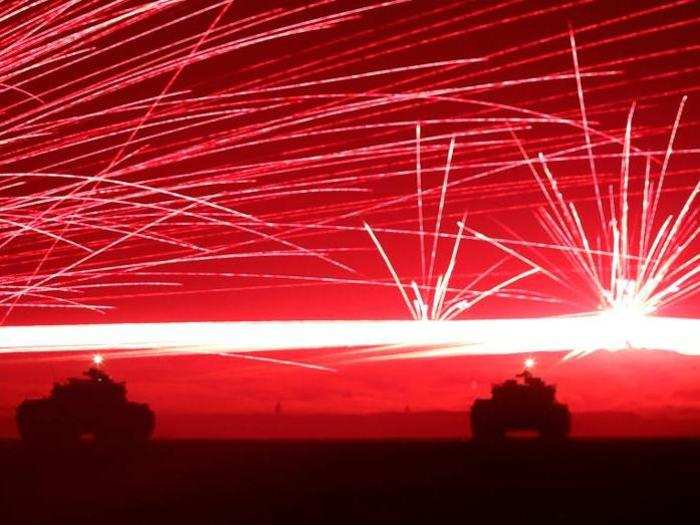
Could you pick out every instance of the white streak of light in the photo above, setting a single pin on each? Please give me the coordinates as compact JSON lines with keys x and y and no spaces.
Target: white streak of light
{"x":581,"y":334}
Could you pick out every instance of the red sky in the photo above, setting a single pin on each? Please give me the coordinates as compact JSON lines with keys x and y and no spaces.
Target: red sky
{"x":219,"y":121}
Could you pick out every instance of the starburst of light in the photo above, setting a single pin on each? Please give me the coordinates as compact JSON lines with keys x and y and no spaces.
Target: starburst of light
{"x":439,"y":307}
{"x":633,"y":263}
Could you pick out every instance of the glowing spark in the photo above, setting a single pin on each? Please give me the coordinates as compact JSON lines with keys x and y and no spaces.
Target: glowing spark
{"x":529,"y":362}
{"x":635,"y":268}
{"x":97,"y":359}
{"x":628,"y":283}
{"x":440,"y":307}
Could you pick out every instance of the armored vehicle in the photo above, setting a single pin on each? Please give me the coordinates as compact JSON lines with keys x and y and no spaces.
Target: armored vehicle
{"x":93,"y":407}
{"x":514,"y":406}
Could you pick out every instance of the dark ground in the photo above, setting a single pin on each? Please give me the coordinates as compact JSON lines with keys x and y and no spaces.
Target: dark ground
{"x":210,"y":482}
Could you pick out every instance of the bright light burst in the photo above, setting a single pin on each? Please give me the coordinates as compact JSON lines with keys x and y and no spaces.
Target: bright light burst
{"x":633,"y":263}
{"x":634,"y":267}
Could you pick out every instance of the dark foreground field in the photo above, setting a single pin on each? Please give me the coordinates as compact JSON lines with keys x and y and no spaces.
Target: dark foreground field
{"x":355,"y":482}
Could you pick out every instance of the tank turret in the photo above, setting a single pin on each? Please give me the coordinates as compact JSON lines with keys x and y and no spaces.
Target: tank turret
{"x":94,"y":406}
{"x":515,"y":405}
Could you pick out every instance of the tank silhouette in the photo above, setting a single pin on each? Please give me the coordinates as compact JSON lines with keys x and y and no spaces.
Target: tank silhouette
{"x":94,"y":406}
{"x":530,"y":405}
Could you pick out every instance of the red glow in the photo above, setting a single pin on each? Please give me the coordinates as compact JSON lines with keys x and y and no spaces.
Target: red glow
{"x":172,"y":162}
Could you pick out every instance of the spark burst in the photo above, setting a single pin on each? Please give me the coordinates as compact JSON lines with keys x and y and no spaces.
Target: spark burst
{"x":636,"y":267}
{"x":636,"y":264}
{"x":440,"y":307}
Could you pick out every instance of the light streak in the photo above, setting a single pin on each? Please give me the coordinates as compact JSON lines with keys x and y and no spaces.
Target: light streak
{"x":411,"y":339}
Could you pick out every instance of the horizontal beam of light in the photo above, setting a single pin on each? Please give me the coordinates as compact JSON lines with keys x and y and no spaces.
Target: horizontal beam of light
{"x":392,"y":339}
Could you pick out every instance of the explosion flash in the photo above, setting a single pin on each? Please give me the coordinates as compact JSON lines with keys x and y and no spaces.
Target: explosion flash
{"x":636,"y":266}
{"x":646,"y":266}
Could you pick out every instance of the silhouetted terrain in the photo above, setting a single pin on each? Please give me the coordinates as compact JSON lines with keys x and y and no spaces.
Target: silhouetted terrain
{"x":208,"y":482}
{"x":672,"y":423}
{"x":411,"y":425}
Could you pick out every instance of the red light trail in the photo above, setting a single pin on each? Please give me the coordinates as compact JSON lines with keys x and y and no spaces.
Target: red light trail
{"x":156,"y":149}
